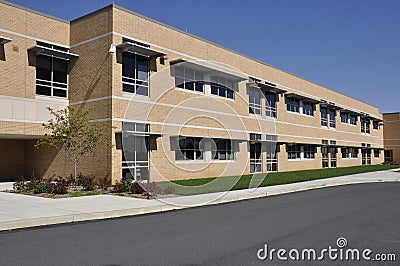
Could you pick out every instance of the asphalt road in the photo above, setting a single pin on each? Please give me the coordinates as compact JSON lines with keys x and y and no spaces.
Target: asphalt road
{"x":368,"y":216}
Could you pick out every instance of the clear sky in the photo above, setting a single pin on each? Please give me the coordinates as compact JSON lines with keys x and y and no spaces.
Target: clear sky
{"x":351,"y":46}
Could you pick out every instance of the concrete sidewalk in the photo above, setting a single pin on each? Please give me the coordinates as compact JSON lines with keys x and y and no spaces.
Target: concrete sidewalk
{"x":21,"y":211}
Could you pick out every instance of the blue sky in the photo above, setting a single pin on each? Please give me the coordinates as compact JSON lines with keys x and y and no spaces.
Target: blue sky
{"x":351,"y":46}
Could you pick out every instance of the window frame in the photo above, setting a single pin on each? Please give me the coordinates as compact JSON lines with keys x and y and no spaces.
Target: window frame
{"x":270,"y":104}
{"x":292,"y":105}
{"x":308,"y":108}
{"x":197,"y":81}
{"x":51,"y":83}
{"x":254,"y":101}
{"x":293,"y":151}
{"x":223,"y":147}
{"x":134,"y":81}
{"x":182,"y":152}
{"x":220,"y":87}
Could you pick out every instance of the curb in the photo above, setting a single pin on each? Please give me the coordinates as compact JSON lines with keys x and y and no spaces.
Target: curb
{"x":45,"y":221}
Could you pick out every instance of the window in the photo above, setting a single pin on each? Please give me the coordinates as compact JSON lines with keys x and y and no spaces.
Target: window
{"x":222,"y":87}
{"x":308,"y":108}
{"x":375,"y":125}
{"x":223,"y":150}
{"x":345,"y":153}
{"x":51,"y":76}
{"x":294,"y":151}
{"x":188,"y":79}
{"x":353,"y":153}
{"x":324,"y":117}
{"x":135,"y":151}
{"x":344,"y":117}
{"x":376,"y":153}
{"x":309,"y":151}
{"x":255,"y":158}
{"x":271,"y":160}
{"x":332,"y":118}
{"x":368,"y":126}
{"x":255,"y":136}
{"x":292,"y":105}
{"x":255,"y":101}
{"x":362,"y":125}
{"x":353,"y":120}
{"x":270,"y":104}
{"x":189,"y":149}
{"x":135,"y":74}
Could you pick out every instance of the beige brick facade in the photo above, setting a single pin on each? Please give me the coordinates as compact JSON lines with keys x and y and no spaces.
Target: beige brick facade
{"x":95,"y":82}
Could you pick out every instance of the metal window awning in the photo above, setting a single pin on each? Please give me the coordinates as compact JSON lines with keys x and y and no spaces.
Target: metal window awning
{"x":140,"y":50}
{"x":330,"y":105}
{"x":142,"y":134}
{"x":212,"y":68}
{"x":41,"y":50}
{"x":302,"y":97}
{"x":4,"y":40}
{"x":265,"y":86}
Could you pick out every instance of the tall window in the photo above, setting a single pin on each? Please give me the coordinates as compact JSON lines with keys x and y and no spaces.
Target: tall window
{"x":294,"y":151}
{"x":270,"y":102}
{"x":345,"y":153}
{"x":254,"y":101}
{"x":309,"y":151}
{"x":308,"y":108}
{"x":292,"y":105}
{"x":188,"y":79}
{"x":189,"y":149}
{"x":224,"y":150}
{"x":376,"y":153}
{"x":324,"y":117}
{"x":135,"y":151}
{"x":362,"y":122}
{"x":344,"y":117}
{"x":332,"y":118}
{"x":367,"y":126}
{"x":135,"y":74}
{"x":51,"y":76}
{"x":255,"y":158}
{"x":375,"y":125}
{"x":222,"y":87}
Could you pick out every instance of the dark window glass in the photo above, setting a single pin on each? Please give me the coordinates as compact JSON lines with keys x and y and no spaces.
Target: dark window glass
{"x":59,"y":93}
{"x":59,"y":70}
{"x":43,"y":67}
{"x":43,"y":90}
{"x":128,"y":65}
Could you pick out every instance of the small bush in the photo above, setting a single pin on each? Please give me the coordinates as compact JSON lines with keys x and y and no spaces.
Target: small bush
{"x":87,"y":182}
{"x":104,"y":182}
{"x":19,"y":184}
{"x":119,"y":187}
{"x":136,"y":188}
{"x":58,"y":186}
{"x":40,"y":188}
{"x":128,"y":185}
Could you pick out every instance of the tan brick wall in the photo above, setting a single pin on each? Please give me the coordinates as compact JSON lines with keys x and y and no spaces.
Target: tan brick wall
{"x":392,"y":134}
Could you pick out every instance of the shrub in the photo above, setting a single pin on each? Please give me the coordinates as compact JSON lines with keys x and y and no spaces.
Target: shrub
{"x":104,"y":182}
{"x":58,"y":186}
{"x":87,"y":182}
{"x":119,"y":187}
{"x":128,"y":185}
{"x":19,"y":184}
{"x":40,"y":188}
{"x":136,"y":188}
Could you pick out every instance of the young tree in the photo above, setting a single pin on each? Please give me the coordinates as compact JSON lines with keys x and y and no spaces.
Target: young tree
{"x":72,"y":132}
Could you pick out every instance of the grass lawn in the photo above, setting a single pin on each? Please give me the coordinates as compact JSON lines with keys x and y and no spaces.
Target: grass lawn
{"x":208,"y":185}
